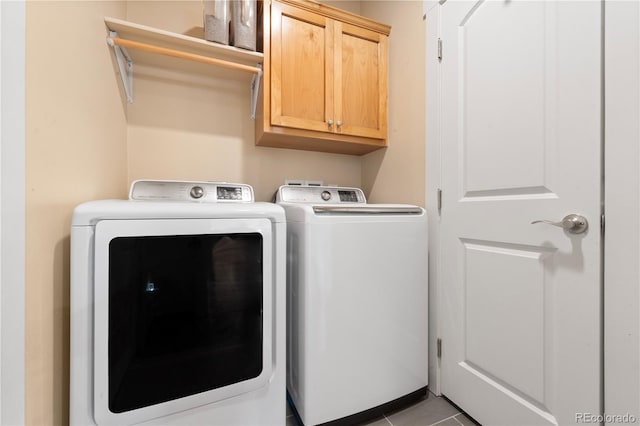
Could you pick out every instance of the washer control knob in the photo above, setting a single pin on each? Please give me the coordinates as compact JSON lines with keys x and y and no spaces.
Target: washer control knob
{"x":326,"y":195}
{"x":196,"y":192}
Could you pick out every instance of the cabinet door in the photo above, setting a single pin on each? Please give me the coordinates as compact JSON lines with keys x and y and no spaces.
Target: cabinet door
{"x":302,"y":53}
{"x":360,"y":81}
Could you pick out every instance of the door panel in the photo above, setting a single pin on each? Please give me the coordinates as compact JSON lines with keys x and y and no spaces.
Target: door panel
{"x":360,"y":65}
{"x":296,"y":99}
{"x":517,"y":273}
{"x":514,"y":133}
{"x":360,"y":81}
{"x":521,"y":123}
{"x":171,"y":297}
{"x":301,"y":68}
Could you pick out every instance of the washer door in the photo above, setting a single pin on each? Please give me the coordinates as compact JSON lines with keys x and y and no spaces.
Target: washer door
{"x":182,"y":314}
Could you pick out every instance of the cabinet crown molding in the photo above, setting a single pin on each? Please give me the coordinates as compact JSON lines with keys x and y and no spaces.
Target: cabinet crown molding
{"x":339,"y":14}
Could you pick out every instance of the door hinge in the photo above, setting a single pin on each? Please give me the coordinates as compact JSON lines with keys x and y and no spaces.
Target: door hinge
{"x":439,"y":347}
{"x":439,"y":200}
{"x":440,"y":49}
{"x":602,"y":223}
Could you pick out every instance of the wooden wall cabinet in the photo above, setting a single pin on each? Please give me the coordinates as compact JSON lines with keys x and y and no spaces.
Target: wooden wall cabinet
{"x":325,"y":79}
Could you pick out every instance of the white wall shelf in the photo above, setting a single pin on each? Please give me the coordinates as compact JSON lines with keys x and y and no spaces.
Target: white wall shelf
{"x":125,"y":35}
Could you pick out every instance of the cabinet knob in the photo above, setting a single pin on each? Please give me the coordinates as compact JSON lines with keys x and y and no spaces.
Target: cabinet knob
{"x":339,"y":123}
{"x":330,"y":123}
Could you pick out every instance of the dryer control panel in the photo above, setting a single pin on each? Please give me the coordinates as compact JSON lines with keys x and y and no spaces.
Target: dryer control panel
{"x":320,"y":194}
{"x":206,"y":192}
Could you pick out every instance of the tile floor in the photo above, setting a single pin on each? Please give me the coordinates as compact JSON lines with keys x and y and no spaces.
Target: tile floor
{"x":429,"y":411}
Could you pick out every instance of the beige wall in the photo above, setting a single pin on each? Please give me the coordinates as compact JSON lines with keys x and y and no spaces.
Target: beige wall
{"x":186,"y":125}
{"x":76,"y":151}
{"x":354,"y":6}
{"x":84,"y":142}
{"x":397,"y":174}
{"x":193,"y":122}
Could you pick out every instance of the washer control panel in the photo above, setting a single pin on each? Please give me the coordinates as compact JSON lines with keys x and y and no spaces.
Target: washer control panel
{"x":205,"y":192}
{"x":320,"y":194}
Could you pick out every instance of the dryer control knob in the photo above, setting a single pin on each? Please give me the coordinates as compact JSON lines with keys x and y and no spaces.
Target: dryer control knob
{"x":196,"y":192}
{"x":326,"y":195}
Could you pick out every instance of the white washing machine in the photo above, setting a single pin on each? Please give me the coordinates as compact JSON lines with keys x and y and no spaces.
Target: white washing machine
{"x":356,"y":304}
{"x":178,"y":308}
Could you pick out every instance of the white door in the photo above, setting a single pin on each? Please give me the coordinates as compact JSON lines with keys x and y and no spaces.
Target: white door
{"x":622,"y":198}
{"x":521,"y":141}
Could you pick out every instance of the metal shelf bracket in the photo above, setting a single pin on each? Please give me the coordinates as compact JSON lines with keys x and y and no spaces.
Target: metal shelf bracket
{"x":125,"y":64}
{"x":255,"y":89}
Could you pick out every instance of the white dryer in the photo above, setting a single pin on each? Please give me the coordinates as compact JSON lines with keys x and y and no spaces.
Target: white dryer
{"x":356,"y":304}
{"x":178,"y":308}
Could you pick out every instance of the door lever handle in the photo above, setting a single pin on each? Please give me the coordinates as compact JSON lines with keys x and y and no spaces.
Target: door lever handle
{"x":572,"y":223}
